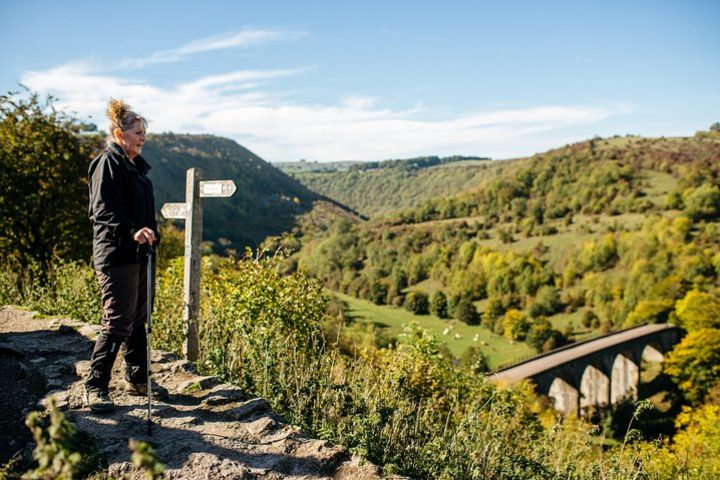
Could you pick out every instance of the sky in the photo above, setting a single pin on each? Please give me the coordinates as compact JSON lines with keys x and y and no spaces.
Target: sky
{"x":374,"y":80}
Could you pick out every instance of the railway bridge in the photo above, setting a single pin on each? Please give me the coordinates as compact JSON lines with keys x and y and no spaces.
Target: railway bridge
{"x":596,"y":372}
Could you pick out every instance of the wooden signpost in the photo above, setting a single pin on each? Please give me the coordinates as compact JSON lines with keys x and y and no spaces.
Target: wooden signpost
{"x":191,"y":211}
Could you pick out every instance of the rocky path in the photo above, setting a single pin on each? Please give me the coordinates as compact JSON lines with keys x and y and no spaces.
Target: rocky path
{"x":205,"y":430}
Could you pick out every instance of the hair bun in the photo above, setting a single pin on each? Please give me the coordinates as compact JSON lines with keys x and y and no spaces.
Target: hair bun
{"x":117,"y":110}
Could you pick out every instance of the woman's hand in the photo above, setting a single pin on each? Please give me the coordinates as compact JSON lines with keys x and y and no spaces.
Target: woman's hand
{"x":145,"y":235}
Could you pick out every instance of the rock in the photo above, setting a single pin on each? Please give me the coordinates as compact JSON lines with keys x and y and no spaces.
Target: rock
{"x":223,"y":394}
{"x":256,"y":405}
{"x":197,"y":383}
{"x":182,"y":366}
{"x":90,"y":331}
{"x":261,"y":426}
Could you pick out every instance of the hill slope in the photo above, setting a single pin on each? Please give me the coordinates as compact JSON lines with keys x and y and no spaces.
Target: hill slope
{"x":267,"y":201}
{"x":586,"y":238}
{"x":377,"y":188}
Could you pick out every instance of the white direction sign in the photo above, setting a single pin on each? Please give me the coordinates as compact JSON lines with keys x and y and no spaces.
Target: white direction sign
{"x":217,"y":188}
{"x":174,"y":210}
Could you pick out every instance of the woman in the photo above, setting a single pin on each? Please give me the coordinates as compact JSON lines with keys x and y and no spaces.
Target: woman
{"x":122,"y":213}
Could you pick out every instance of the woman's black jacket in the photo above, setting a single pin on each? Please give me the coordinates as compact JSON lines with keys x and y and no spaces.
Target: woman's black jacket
{"x":121,"y":203}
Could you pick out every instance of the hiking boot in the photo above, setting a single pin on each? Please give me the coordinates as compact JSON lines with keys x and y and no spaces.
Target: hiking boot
{"x":98,"y":400}
{"x":140,"y":389}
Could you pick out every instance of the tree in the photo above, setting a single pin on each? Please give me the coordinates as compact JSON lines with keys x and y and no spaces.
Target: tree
{"x":466,"y":312}
{"x":493,"y":311}
{"x":439,"y":305}
{"x":694,"y":363}
{"x":542,"y":337}
{"x":649,"y":311}
{"x":698,"y":310}
{"x":378,"y":292}
{"x":515,"y":325}
{"x":703,"y":202}
{"x":547,"y":301}
{"x":43,"y":180}
{"x":417,"y":302}
{"x":695,"y":448}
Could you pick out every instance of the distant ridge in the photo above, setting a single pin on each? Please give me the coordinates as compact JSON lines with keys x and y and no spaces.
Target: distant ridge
{"x":376,"y":188}
{"x":268,"y":201}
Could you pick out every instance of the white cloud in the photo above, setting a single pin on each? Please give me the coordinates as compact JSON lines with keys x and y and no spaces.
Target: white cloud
{"x":359,"y":102}
{"x":241,"y":106}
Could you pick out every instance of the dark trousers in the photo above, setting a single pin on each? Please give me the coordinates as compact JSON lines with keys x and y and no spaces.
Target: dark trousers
{"x":124,"y":300}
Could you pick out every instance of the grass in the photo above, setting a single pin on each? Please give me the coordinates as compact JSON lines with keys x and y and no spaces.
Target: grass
{"x":428,"y":286}
{"x":456,"y":335}
{"x":659,"y":185}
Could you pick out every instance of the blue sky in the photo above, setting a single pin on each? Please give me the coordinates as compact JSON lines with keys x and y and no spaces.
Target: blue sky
{"x":376,"y":80}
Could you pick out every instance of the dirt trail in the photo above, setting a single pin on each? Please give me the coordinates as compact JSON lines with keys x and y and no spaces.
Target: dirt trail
{"x":206,"y":430}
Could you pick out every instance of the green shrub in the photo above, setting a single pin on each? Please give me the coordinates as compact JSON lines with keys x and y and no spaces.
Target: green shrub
{"x":439,"y":304}
{"x":60,"y":451}
{"x":417,"y":302}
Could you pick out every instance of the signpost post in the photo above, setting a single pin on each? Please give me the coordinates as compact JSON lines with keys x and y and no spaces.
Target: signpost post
{"x":191,"y":211}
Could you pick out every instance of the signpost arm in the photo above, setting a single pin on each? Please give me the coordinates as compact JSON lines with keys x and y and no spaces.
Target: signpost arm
{"x":191,"y":281}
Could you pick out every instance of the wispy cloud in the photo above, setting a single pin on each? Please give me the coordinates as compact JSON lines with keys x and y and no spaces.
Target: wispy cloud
{"x":246,"y":38}
{"x":246,"y":105}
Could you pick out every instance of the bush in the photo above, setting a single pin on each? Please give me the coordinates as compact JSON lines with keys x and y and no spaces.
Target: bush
{"x":694,"y":363}
{"x":473,"y":360}
{"x":417,"y":302}
{"x":515,"y":325}
{"x":466,"y":312}
{"x":44,"y":163}
{"x":542,"y":337}
{"x":698,"y":310}
{"x":589,"y":319}
{"x":63,"y":288}
{"x":703,"y":202}
{"x":694,"y":451}
{"x":378,"y":292}
{"x":650,"y":311}
{"x":547,"y":301}
{"x":60,"y":451}
{"x":439,"y":304}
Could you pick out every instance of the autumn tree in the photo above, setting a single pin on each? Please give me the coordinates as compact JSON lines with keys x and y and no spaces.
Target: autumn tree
{"x":515,"y":325}
{"x":698,"y":310}
{"x":43,"y":179}
{"x":694,"y":363}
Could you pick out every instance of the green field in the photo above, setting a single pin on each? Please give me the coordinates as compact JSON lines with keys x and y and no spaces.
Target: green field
{"x":456,"y":335}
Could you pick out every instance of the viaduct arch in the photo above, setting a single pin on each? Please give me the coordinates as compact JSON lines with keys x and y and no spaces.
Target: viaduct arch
{"x":595,"y":372}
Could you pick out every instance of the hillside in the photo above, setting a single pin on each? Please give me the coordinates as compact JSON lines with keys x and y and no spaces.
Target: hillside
{"x":566,"y":244}
{"x":267,"y":201}
{"x":376,"y":188}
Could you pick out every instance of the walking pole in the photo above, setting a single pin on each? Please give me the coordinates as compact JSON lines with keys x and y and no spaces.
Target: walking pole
{"x":148,"y":335}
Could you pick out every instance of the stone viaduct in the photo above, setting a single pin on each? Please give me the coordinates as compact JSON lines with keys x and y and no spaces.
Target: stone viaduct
{"x":595,"y":372}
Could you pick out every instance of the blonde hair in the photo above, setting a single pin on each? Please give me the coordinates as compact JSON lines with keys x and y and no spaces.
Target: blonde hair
{"x":121,"y":115}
